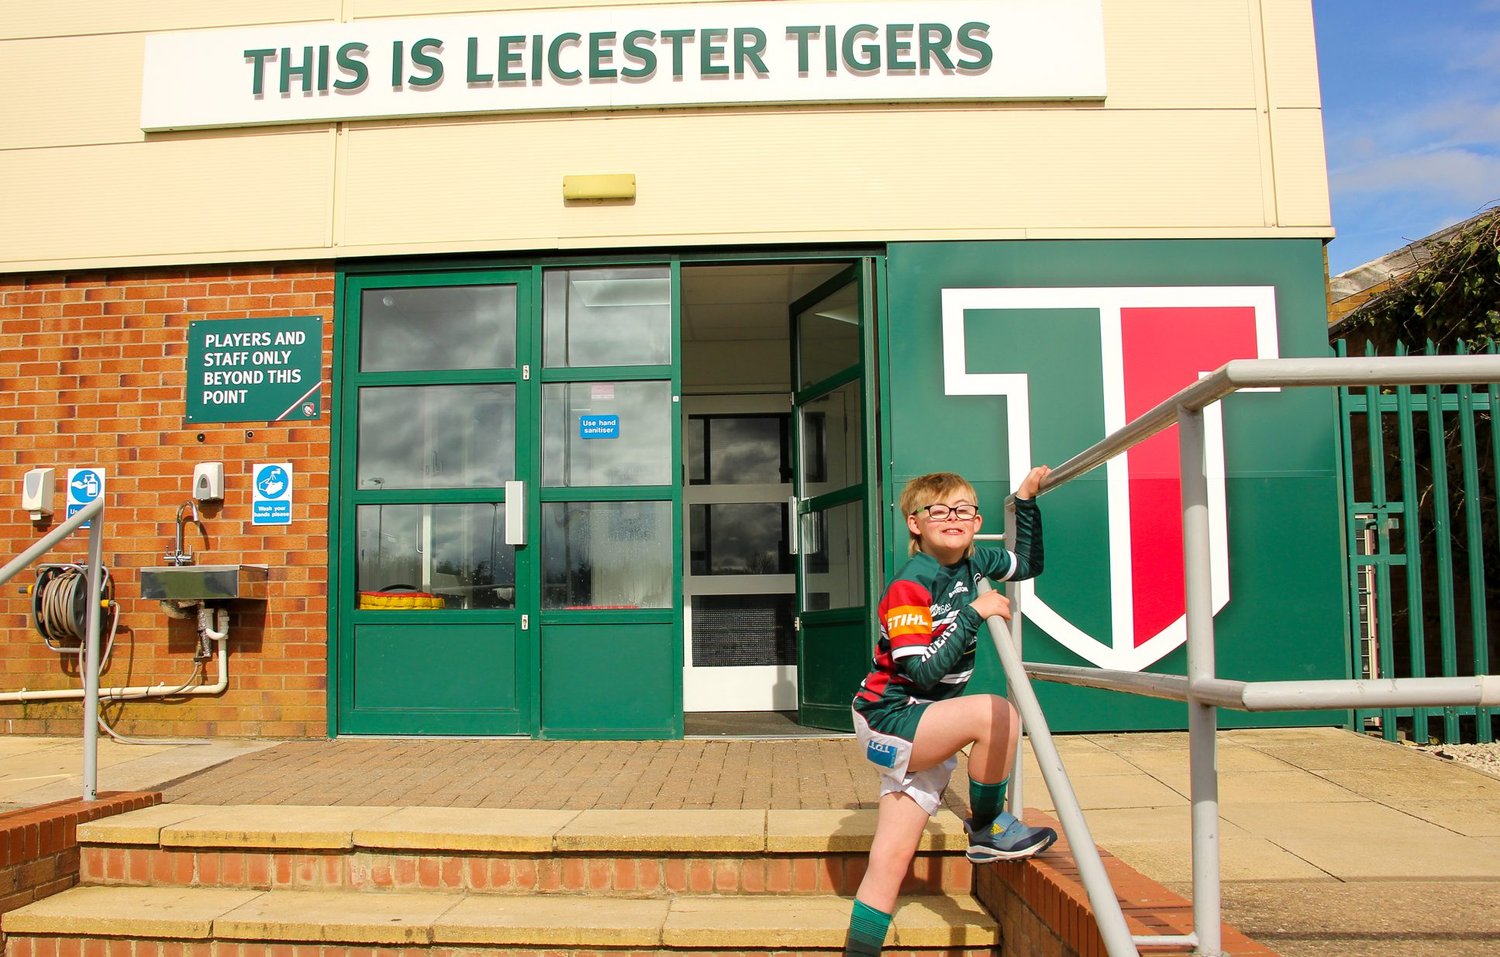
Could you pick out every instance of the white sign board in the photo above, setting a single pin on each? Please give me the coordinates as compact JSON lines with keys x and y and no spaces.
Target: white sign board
{"x":609,"y":58}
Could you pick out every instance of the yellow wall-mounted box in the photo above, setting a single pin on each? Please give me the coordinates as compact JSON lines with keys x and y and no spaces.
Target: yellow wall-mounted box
{"x":600,"y":186}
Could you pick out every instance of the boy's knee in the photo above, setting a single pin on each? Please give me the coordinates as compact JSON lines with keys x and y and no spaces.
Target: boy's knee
{"x":1002,"y":712}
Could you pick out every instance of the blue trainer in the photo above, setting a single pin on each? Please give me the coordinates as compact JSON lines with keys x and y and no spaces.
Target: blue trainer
{"x":1007,"y":840}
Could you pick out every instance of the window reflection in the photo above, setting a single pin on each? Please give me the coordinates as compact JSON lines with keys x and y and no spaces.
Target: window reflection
{"x":739,"y":449}
{"x":832,"y":433}
{"x":607,"y":317}
{"x":833,"y":545}
{"x":438,"y":327}
{"x":457,"y":552}
{"x":436,"y":436}
{"x":743,"y":539}
{"x":607,"y":555}
{"x":606,"y":433}
{"x":828,"y":336}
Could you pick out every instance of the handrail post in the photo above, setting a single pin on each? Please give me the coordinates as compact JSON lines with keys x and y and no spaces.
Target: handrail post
{"x":1202,"y":717}
{"x":1016,"y":793}
{"x":92,"y":583}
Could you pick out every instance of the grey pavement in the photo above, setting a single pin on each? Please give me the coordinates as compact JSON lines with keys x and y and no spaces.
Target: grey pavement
{"x":1333,"y":843}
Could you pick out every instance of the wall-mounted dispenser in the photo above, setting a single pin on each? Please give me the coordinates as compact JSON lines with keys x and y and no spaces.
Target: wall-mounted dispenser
{"x":208,"y":481}
{"x":37,"y":491}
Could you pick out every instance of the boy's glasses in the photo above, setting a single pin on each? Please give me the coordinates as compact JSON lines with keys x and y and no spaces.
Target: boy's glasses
{"x":942,"y":513}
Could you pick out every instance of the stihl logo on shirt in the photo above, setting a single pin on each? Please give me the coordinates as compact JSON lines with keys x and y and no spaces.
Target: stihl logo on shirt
{"x":1153,"y":341}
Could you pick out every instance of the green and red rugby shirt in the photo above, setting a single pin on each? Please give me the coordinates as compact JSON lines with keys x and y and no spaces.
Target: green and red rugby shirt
{"x":928,"y":629}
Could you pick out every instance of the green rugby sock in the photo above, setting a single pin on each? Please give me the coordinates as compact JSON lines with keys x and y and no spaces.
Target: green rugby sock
{"x":985,"y":802}
{"x":867,"y":927}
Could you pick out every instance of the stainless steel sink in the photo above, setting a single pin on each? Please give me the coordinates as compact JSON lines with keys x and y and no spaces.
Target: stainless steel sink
{"x":204,"y":582}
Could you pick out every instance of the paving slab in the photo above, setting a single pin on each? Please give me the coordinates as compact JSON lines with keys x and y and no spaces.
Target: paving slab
{"x":504,"y":830}
{"x":270,"y":826}
{"x":802,"y":831}
{"x":336,"y":916}
{"x":186,"y":913}
{"x":553,"y":921}
{"x":141,"y":826}
{"x":707,"y":830}
{"x":761,"y":923}
{"x":1385,"y":919}
{"x":943,"y":922}
{"x":1240,"y":858}
{"x":1363,"y":841}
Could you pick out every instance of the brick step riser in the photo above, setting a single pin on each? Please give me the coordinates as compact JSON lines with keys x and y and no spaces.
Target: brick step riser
{"x":43,"y":946}
{"x":632,"y":875}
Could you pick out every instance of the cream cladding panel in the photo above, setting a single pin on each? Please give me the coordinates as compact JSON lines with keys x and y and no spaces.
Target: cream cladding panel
{"x":46,"y":105}
{"x":1301,"y":185}
{"x":1167,"y":54}
{"x":1291,"y":54}
{"x":207,"y":198}
{"x":778,"y":174}
{"x":49,"y":18}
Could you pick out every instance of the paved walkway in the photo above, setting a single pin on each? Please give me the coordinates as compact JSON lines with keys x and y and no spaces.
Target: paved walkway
{"x":1333,"y":843}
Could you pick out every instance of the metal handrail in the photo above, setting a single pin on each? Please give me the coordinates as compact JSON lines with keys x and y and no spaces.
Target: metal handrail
{"x":1202,"y":690}
{"x":92,"y":512}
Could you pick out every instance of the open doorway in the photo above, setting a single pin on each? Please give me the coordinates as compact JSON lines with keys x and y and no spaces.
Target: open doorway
{"x":739,"y":587}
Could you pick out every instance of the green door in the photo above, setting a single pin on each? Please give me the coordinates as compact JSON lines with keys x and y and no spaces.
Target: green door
{"x":434,"y":569}
{"x":508,"y":504}
{"x":834,"y":472}
{"x":609,"y":492}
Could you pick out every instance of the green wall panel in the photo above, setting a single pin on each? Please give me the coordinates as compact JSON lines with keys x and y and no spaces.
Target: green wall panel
{"x":1284,"y":618}
{"x":611,"y":680}
{"x":435,"y":678}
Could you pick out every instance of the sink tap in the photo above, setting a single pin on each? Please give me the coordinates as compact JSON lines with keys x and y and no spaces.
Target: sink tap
{"x":177,"y":556}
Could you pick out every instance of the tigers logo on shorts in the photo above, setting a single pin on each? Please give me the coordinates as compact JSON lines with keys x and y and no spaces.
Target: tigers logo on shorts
{"x":881,"y":754}
{"x":1152,"y":342}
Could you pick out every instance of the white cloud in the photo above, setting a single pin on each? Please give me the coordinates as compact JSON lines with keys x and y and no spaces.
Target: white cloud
{"x":1460,"y":176}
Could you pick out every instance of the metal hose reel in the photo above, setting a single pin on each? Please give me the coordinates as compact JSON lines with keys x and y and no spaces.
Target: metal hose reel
{"x":60,"y":604}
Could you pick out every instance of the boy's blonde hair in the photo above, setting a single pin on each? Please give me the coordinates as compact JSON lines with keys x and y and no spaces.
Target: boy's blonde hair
{"x":930,"y":488}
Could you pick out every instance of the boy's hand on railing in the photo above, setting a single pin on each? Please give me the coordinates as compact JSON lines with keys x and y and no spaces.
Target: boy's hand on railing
{"x":990,"y":604}
{"x":1032,"y":483}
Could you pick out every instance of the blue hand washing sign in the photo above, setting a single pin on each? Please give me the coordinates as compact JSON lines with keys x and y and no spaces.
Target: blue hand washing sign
{"x":598,"y":426}
{"x":271,"y":501}
{"x":84,"y":485}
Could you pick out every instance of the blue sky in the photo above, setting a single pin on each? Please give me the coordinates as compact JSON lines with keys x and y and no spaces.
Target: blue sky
{"x":1411,"y":118}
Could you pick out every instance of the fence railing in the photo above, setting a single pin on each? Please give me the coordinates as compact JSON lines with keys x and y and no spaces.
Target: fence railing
{"x":1420,"y":493}
{"x":1201,"y":688}
{"x":92,"y":514}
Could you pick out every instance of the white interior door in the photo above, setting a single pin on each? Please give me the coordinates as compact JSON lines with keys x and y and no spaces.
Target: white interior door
{"x":739,"y":591}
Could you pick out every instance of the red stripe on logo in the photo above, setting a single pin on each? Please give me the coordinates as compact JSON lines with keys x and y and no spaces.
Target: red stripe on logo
{"x":1164,"y":349}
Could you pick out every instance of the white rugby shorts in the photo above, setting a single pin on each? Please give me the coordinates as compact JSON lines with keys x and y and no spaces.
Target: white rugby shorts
{"x":890,"y":754}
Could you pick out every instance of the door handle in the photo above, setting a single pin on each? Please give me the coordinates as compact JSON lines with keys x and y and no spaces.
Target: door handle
{"x":515,"y":513}
{"x":793,"y":527}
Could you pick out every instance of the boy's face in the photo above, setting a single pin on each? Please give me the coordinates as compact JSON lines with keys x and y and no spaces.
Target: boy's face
{"x":945,"y":529}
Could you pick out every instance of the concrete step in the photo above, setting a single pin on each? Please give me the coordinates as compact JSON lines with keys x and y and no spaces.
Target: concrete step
{"x":626,"y":853}
{"x":174,"y":921}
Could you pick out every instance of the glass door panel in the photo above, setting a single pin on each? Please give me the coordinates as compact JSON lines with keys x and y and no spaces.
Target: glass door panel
{"x":433,"y":598}
{"x":832,"y":351}
{"x":740,"y":650}
{"x":610,"y":466}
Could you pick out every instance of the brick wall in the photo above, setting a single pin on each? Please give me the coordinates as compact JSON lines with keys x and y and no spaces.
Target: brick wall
{"x":93,"y":374}
{"x":1043,"y":908}
{"x":39,"y":845}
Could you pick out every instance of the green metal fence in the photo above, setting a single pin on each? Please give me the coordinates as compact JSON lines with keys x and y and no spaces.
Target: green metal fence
{"x":1420,"y":487}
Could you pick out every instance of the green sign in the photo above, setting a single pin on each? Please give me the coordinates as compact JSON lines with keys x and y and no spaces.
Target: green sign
{"x":255,"y":370}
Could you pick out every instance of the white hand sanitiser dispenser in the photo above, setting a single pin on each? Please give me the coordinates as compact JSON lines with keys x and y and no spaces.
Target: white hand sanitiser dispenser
{"x":37,"y":489}
{"x":208,"y":481}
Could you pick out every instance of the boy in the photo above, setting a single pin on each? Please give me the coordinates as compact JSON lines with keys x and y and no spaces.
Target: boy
{"x":910,"y":714}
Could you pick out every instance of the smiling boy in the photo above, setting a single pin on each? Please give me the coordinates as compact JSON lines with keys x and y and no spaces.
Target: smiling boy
{"x":910,"y":713}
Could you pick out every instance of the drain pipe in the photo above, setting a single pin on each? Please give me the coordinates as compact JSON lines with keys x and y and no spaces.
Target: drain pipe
{"x":160,"y":689}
